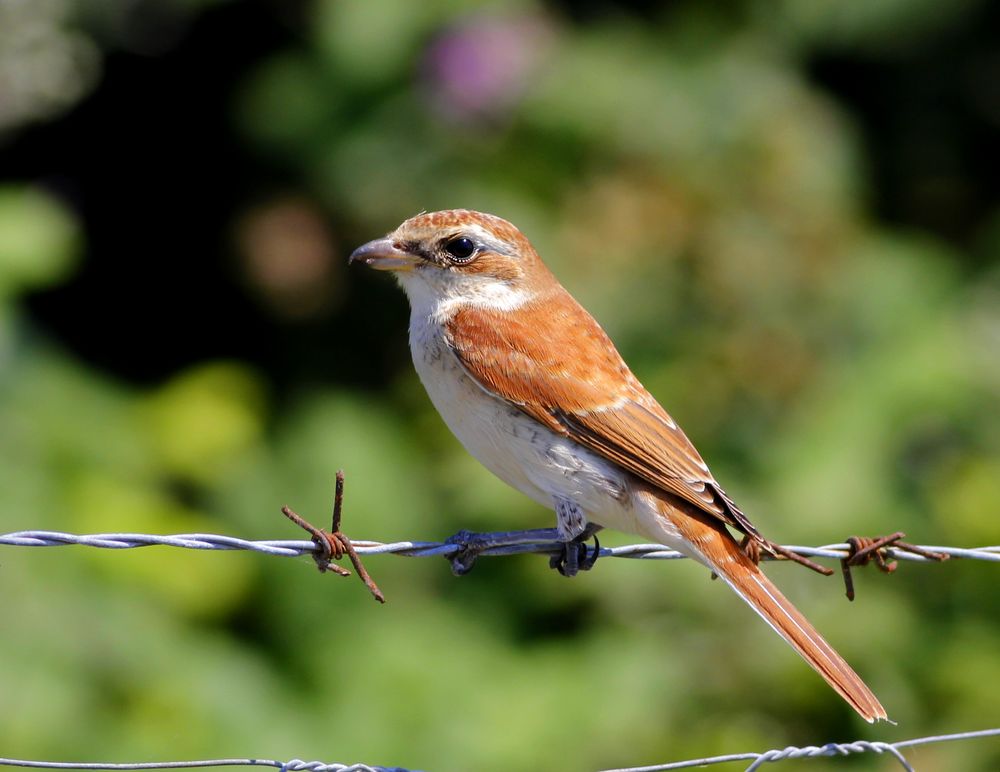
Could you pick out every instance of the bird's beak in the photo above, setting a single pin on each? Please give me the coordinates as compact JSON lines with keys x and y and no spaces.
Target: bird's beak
{"x":383,"y":255}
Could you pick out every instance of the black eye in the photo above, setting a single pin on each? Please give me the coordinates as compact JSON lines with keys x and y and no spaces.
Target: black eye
{"x":460,"y":248}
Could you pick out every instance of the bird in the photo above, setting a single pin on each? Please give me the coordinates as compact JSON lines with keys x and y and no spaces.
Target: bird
{"x":532,"y":386}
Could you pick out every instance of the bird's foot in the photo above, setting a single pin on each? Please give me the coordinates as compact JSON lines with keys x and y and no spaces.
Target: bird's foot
{"x":575,"y":556}
{"x":471,"y":545}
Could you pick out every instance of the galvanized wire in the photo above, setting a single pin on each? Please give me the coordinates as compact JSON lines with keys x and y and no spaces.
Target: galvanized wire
{"x":817,"y":751}
{"x":756,"y":759}
{"x":298,"y":547}
{"x":295,"y":765}
{"x":420,"y":549}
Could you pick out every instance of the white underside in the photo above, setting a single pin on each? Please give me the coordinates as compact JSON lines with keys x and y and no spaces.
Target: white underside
{"x":543,"y":465}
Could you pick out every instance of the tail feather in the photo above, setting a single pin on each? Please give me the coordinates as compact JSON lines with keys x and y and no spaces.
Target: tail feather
{"x":727,"y":559}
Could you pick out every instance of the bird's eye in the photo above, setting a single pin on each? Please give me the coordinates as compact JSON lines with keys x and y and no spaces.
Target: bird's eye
{"x":461,"y":249}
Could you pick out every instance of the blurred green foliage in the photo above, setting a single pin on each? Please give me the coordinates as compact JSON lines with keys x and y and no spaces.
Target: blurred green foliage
{"x":711,"y":205}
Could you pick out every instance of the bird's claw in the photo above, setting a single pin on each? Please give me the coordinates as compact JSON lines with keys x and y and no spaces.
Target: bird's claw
{"x":571,"y":558}
{"x":469,"y":549}
{"x":574,"y":557}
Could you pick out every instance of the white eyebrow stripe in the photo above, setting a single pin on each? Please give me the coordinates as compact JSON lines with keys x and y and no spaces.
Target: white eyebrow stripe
{"x":484,"y":238}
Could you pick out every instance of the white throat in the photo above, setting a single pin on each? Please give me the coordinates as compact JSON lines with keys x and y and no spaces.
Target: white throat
{"x":437,"y":294}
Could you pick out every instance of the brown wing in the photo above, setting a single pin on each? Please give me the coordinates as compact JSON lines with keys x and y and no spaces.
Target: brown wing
{"x":556,"y":363}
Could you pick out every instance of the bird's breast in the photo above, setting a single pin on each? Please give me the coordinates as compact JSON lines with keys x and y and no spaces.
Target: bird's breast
{"x":515,"y":447}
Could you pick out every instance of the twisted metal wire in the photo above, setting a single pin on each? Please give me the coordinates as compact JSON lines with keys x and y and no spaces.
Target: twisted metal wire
{"x":294,"y":765}
{"x":298,"y":547}
{"x":420,"y":549}
{"x":756,"y":759}
{"x":815,"y":751}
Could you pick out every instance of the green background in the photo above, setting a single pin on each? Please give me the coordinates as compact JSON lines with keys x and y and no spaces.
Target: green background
{"x":785,"y":215}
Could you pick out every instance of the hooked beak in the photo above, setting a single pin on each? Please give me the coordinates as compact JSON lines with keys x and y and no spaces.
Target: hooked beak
{"x":383,"y":255}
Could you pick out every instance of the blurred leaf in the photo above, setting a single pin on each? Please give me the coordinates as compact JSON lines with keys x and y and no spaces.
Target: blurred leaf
{"x":290,"y":86}
{"x":371,"y":43}
{"x":205,"y":418}
{"x":193,"y":584}
{"x":885,"y":27}
{"x":39,"y":239}
{"x":960,"y":495}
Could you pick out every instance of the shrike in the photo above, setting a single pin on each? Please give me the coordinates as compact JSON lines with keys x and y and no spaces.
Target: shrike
{"x":533,"y":387}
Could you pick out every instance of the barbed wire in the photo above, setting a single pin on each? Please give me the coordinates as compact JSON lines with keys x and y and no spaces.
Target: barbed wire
{"x":756,"y":759}
{"x":817,"y":751}
{"x":295,"y":765}
{"x":420,"y":549}
{"x":451,"y":549}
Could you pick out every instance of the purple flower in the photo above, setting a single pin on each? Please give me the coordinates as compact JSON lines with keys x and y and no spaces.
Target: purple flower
{"x":480,"y":68}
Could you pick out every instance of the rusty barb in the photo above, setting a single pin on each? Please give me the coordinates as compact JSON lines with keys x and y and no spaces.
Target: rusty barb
{"x":781,"y":553}
{"x":865,"y":550}
{"x":333,"y":545}
{"x":862,"y":550}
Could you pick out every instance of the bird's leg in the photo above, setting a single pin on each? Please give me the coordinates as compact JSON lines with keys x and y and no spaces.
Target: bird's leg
{"x":472,"y":545}
{"x":570,"y":534}
{"x":574,"y":531}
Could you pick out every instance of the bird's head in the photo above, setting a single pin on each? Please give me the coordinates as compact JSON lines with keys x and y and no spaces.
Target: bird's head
{"x":457,"y":256}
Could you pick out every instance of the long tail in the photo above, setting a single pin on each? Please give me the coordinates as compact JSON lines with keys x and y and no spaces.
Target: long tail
{"x":727,"y":559}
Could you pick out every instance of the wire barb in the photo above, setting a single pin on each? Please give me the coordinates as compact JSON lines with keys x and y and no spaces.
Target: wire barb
{"x":333,"y":545}
{"x":864,"y":550}
{"x":782,"y":553}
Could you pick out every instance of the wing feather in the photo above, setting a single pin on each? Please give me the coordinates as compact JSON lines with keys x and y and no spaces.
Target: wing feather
{"x":556,"y":364}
